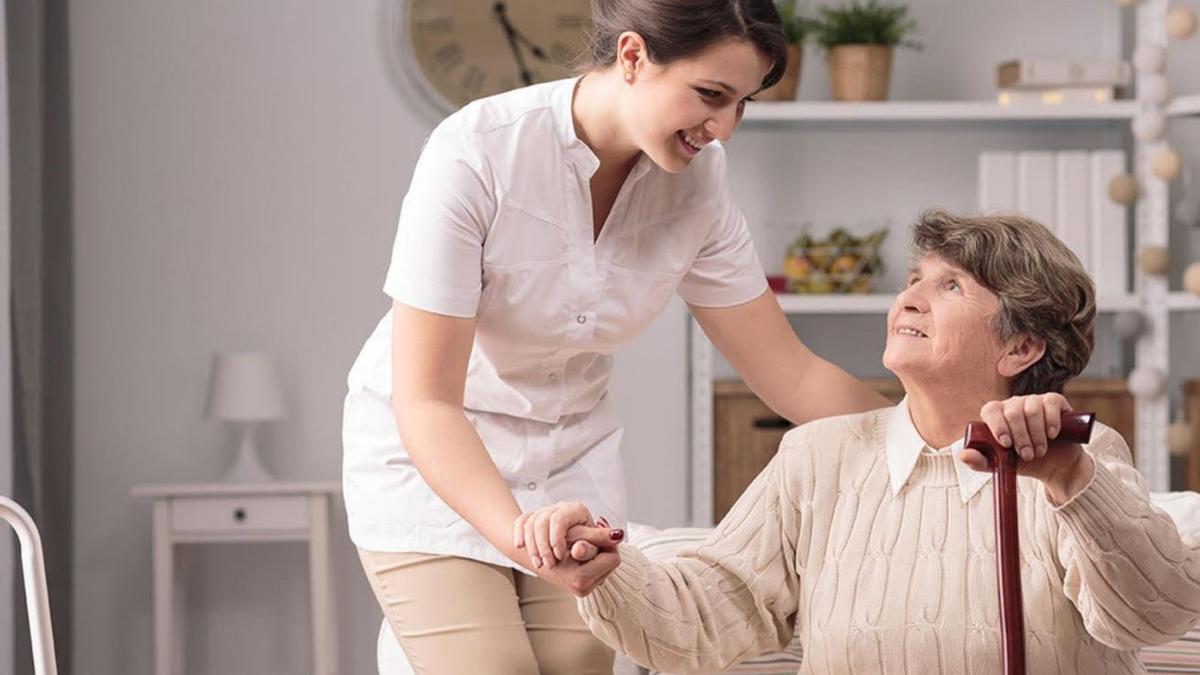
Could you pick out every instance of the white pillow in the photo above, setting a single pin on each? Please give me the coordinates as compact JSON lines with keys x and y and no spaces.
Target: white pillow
{"x":389,"y":655}
{"x":1183,"y":507}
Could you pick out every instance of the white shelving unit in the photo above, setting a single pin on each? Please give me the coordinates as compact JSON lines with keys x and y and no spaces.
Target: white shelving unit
{"x":1149,"y":295}
{"x":775,"y":114}
{"x":878,"y":303}
{"x":932,"y":111}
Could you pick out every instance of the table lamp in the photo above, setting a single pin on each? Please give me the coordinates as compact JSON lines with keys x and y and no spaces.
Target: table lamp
{"x":244,"y":390}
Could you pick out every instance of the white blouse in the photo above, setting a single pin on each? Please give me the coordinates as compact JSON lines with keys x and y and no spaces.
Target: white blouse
{"x":497,"y":225}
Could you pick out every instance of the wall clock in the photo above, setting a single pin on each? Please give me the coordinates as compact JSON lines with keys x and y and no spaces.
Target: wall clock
{"x":451,"y":52}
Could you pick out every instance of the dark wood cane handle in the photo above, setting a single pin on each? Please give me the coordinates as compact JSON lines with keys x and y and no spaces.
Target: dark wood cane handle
{"x":1076,"y":428}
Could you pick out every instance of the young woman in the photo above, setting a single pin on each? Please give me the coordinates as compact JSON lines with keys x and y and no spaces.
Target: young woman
{"x":544,"y":228}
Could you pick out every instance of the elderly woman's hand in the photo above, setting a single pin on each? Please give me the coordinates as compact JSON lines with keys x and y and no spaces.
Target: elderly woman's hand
{"x":1030,"y":424}
{"x":1026,"y":423}
{"x":581,"y":578}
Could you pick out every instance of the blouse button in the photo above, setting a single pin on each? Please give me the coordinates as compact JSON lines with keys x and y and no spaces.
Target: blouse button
{"x":531,"y":486}
{"x":581,"y":319}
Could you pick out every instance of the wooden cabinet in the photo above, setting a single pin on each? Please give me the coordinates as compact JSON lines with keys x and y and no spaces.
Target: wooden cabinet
{"x":1191,"y":408}
{"x":746,"y":433}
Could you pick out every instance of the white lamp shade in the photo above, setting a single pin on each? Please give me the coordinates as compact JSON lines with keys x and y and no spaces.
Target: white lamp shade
{"x":244,"y":387}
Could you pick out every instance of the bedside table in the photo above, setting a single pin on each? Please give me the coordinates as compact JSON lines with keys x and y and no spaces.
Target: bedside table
{"x":231,"y":513}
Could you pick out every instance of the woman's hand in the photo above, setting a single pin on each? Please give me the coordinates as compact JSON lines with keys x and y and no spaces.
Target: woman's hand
{"x":1026,"y":423}
{"x":543,"y":533}
{"x":1030,"y":424}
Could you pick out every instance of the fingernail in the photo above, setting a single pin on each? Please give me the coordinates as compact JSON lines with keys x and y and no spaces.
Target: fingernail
{"x":1005,"y":440}
{"x":617,"y":535}
{"x":1052,"y":432}
{"x":1041,"y":450}
{"x":558,"y":553}
{"x":537,"y":562}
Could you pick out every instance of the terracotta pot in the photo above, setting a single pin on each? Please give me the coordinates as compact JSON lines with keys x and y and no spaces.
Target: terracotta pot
{"x":860,"y":72}
{"x":785,"y":88}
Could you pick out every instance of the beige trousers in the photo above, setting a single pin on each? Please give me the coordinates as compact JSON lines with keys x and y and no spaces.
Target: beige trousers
{"x":454,"y":615}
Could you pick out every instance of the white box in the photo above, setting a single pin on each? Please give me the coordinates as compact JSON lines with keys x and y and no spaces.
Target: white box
{"x":1072,"y":220}
{"x":1036,"y":186}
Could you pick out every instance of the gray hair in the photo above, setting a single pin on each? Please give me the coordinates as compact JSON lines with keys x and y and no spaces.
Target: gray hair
{"x":1044,"y":291}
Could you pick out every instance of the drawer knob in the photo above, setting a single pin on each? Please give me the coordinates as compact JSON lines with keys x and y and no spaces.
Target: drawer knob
{"x":239,"y":515}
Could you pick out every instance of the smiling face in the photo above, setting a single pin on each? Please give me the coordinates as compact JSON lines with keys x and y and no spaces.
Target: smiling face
{"x":674,"y":110}
{"x":940,"y":327}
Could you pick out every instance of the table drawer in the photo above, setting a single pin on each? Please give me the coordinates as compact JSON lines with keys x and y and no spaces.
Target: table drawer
{"x":234,"y":514}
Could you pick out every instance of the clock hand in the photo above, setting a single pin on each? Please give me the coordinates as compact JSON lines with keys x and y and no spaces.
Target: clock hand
{"x":537,"y":51}
{"x":511,"y":35}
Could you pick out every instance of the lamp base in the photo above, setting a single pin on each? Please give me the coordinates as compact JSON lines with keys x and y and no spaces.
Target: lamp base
{"x":246,"y":467}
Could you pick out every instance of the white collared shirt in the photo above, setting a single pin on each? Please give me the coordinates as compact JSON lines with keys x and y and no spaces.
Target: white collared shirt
{"x":905,"y":446}
{"x":497,"y":225}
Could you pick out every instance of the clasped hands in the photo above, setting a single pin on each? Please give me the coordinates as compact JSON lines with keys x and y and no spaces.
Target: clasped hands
{"x":566,"y":547}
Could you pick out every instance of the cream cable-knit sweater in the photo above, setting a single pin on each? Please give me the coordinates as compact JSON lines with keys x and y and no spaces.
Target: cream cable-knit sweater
{"x":879,"y":583}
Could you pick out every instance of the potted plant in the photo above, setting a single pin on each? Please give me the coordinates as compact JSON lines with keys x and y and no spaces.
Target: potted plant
{"x":859,"y":39}
{"x":797,"y":28}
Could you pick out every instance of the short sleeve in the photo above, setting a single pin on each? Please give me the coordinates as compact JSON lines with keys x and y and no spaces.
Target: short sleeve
{"x":437,"y":255}
{"x":727,"y":270}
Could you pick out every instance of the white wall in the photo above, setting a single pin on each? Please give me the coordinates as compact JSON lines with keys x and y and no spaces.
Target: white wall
{"x":239,"y":167}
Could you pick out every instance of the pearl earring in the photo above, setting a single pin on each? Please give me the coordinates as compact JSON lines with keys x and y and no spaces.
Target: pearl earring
{"x":629,"y":76}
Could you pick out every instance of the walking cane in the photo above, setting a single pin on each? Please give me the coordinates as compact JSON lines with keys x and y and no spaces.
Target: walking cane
{"x":1076,"y":428}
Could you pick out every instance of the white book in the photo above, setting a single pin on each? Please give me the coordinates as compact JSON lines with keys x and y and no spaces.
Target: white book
{"x":1035,"y":186}
{"x":1110,"y":236}
{"x":1072,"y":218}
{"x":996,"y":187}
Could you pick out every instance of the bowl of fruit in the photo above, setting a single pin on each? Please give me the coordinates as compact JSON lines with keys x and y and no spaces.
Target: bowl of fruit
{"x":838,"y":263}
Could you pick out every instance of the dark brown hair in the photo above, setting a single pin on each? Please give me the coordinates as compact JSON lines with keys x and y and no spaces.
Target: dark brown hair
{"x":675,"y":29}
{"x":1043,"y":290}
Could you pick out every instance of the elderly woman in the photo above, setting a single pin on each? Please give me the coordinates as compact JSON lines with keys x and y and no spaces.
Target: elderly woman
{"x":872,"y":537}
